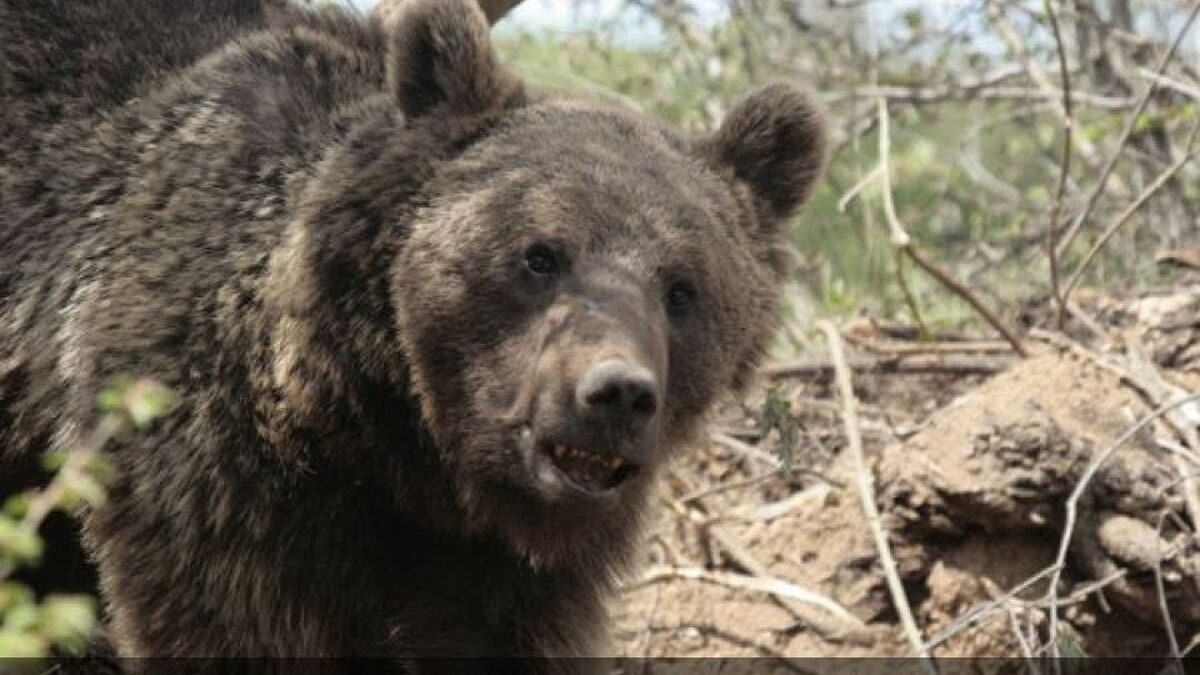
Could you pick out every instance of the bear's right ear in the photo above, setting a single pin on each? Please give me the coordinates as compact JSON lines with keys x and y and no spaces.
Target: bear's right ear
{"x":440,"y":58}
{"x":773,"y":141}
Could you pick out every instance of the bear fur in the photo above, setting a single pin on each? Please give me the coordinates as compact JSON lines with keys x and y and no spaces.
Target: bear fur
{"x":376,"y":270}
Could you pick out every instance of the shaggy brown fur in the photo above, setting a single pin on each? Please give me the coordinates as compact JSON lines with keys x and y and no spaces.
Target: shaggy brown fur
{"x":390,"y":288}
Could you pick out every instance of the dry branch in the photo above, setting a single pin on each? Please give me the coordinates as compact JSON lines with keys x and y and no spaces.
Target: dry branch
{"x":866,"y":492}
{"x":1130,"y":124}
{"x":1072,"y":509}
{"x":1124,"y":216}
{"x":901,"y":239}
{"x":902,"y":364}
{"x":1064,"y":164}
{"x":758,"y":583}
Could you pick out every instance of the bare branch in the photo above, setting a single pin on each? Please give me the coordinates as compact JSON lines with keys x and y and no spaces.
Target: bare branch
{"x":1130,"y":124}
{"x":866,"y":493}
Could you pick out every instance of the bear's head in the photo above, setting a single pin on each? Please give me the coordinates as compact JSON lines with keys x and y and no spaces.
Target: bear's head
{"x":571,"y":285}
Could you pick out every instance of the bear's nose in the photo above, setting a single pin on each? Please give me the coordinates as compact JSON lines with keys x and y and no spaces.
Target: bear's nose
{"x":618,"y":389}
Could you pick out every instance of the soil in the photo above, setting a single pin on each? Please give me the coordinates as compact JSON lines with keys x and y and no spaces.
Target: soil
{"x":972,"y":474}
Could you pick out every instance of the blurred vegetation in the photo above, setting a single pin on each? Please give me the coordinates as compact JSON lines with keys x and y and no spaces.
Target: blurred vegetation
{"x":32,"y":627}
{"x":974,"y":94}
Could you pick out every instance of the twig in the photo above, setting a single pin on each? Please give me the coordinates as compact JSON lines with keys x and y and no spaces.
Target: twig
{"x":1170,"y":83}
{"x":898,"y":235}
{"x":978,"y":615}
{"x":903,"y":241}
{"x":1126,"y":133}
{"x":1072,"y":508}
{"x":1159,"y":588}
{"x":833,"y":627}
{"x":898,"y":364}
{"x":1012,"y":36}
{"x":1147,"y":379}
{"x":980,"y":91}
{"x":866,"y":492}
{"x":1065,"y":164}
{"x":1122,"y":218}
{"x":758,"y":583}
{"x":782,"y":507}
{"x":732,"y":485}
{"x":907,"y":348}
{"x":966,"y":294}
{"x":849,"y":195}
{"x":746,"y":449}
{"x":1022,"y":640}
{"x":909,"y":298}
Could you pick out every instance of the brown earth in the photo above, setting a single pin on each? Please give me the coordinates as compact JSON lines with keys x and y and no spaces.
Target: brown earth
{"x":972,"y":475}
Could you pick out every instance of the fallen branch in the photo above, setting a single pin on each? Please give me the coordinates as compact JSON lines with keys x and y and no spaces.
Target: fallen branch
{"x":906,"y":348}
{"x":760,"y":584}
{"x":832,"y":626}
{"x":866,"y":492}
{"x":898,"y":364}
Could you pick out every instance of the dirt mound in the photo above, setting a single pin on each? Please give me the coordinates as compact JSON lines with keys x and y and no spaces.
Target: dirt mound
{"x":973,"y":477}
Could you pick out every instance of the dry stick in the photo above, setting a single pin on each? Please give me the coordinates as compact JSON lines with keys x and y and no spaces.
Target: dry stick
{"x":732,"y":485}
{"x":834,"y":626}
{"x":759,"y":583}
{"x":1072,"y":506}
{"x":1140,"y":373}
{"x":1065,"y":165}
{"x":903,"y":241}
{"x":905,"y":348}
{"x":899,"y":364}
{"x":1130,"y":124}
{"x":978,"y":615}
{"x":909,"y":298}
{"x":1147,"y":379}
{"x":1170,"y":83}
{"x":1164,"y":609}
{"x":1012,"y":36}
{"x":1022,"y":641}
{"x":866,"y":493}
{"x":1122,"y":218}
{"x":966,"y":294}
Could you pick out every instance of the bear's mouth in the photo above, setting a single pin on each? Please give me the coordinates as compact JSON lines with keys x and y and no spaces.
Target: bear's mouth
{"x":588,"y":471}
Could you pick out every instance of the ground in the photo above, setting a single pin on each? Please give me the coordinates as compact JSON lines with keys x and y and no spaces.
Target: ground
{"x":972,"y":473}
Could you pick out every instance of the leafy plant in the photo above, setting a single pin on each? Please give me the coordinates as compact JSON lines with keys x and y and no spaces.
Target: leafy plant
{"x":32,"y":627}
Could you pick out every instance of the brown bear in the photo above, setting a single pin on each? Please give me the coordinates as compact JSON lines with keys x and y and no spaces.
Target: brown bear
{"x":433,"y":335}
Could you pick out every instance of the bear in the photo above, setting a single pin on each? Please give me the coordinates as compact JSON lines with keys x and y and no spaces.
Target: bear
{"x":433,"y":334}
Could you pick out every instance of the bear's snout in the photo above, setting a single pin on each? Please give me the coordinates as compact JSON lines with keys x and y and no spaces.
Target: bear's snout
{"x":619,"y":392}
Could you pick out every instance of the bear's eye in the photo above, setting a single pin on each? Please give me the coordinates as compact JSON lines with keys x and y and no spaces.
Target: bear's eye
{"x":680,"y":294}
{"x":540,"y":260}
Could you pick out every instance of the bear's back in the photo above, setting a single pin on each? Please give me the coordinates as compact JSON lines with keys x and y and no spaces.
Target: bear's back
{"x":147,"y":188}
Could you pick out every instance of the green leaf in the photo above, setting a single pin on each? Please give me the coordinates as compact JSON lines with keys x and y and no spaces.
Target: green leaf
{"x":68,"y":620}
{"x":23,"y":617}
{"x":16,"y":506}
{"x":81,"y":488}
{"x":22,"y":645}
{"x":146,"y":401}
{"x":19,"y":541}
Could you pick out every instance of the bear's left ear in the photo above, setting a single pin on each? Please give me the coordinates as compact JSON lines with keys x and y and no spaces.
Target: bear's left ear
{"x":773,"y":141}
{"x":441,"y":59}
